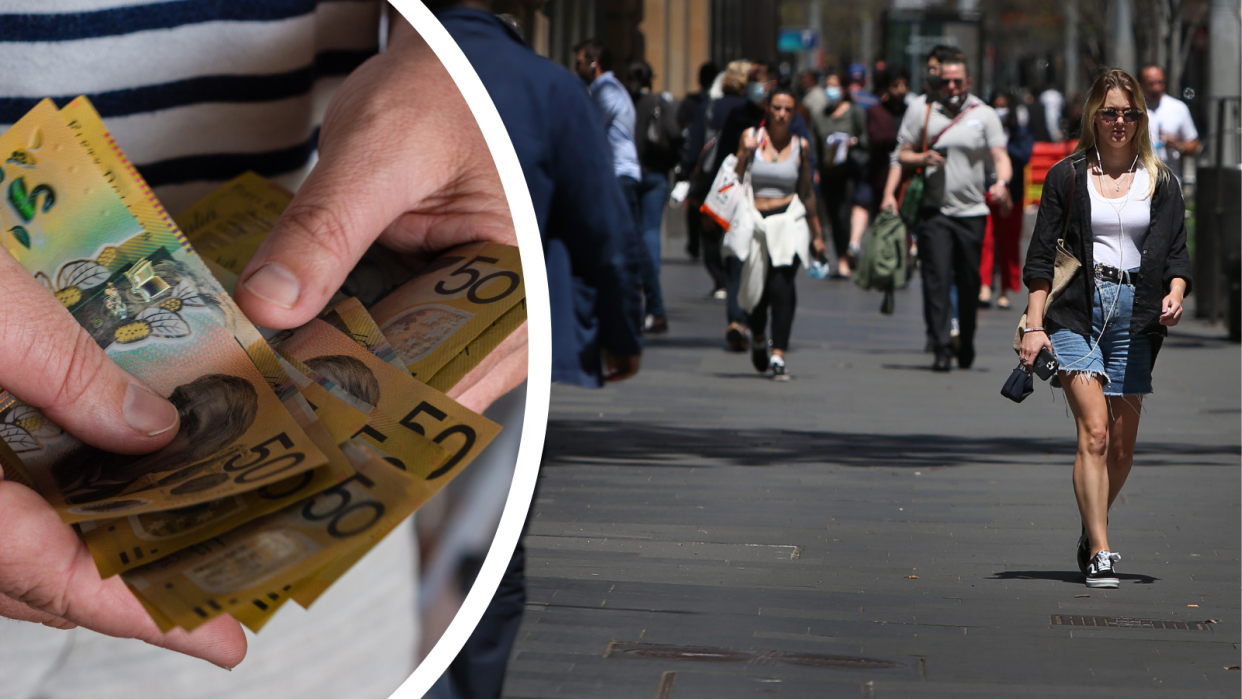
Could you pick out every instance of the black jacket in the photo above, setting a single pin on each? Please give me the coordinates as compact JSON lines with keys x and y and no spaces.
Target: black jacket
{"x":1164,"y":253}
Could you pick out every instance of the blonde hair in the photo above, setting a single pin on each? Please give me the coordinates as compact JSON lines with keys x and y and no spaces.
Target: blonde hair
{"x":1116,"y":79}
{"x":736,"y":75}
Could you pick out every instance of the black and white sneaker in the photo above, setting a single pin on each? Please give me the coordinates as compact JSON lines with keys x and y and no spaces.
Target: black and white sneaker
{"x":779,"y":373}
{"x":1084,"y":550}
{"x":1101,"y":571}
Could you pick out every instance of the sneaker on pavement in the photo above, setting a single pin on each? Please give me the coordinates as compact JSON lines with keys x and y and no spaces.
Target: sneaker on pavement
{"x":653,"y":325}
{"x":735,"y":336}
{"x":760,"y":354}
{"x":779,"y":373}
{"x":720,"y":294}
{"x":1084,"y":551}
{"x":1101,"y":571}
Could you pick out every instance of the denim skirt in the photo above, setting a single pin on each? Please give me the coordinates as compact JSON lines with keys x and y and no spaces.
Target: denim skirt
{"x":1121,"y":360}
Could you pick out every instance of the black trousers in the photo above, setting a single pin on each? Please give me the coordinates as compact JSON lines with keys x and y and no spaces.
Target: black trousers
{"x":838,"y":190}
{"x":780,"y":296}
{"x":478,"y":671}
{"x":712,"y":240}
{"x":950,"y":249}
{"x":694,"y":230}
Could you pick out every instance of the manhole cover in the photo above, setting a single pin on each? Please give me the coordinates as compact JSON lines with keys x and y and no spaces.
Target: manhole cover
{"x":1123,"y":622}
{"x":654,"y":651}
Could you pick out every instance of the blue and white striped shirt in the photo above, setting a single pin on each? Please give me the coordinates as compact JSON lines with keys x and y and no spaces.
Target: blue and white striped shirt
{"x":194,"y":91}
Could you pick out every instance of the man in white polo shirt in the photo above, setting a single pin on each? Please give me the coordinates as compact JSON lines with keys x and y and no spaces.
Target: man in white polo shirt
{"x":966,"y":143}
{"x":1173,"y":131}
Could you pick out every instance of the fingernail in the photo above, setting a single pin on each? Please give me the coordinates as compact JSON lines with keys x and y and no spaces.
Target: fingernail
{"x":148,"y":413}
{"x":275,"y":284}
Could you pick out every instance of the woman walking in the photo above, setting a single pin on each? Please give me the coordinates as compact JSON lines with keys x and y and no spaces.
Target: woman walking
{"x":1125,"y":224}
{"x":781,"y":178}
{"x":1000,"y":241}
{"x":842,"y":145}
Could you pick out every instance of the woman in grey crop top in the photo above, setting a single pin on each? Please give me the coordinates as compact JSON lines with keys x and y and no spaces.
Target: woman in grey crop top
{"x":780,"y":175}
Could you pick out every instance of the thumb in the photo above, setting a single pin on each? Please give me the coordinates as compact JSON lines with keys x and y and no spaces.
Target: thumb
{"x":52,"y":364}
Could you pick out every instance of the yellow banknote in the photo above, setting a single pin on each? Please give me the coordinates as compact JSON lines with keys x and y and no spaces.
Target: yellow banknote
{"x":414,"y":407}
{"x":140,"y":295}
{"x":125,"y":543}
{"x":352,"y":319}
{"x":258,"y":563}
{"x":433,"y":317}
{"x":230,"y":224}
{"x":456,"y":369}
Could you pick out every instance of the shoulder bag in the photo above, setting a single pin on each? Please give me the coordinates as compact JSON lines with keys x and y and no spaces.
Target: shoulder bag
{"x":1064,"y":267}
{"x":912,"y":197}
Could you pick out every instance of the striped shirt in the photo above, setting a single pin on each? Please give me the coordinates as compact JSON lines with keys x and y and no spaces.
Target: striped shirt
{"x":195,"y":91}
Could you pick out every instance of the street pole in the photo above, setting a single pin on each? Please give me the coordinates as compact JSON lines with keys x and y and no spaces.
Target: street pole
{"x":1123,"y":36}
{"x":1071,"y":48}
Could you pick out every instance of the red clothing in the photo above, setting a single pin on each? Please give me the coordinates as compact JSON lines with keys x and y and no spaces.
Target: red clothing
{"x":1003,"y":235}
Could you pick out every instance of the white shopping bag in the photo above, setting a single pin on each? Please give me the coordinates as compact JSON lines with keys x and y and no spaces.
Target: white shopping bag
{"x":725,"y":195}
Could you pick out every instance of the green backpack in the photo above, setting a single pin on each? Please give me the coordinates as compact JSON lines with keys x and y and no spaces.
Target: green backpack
{"x":885,"y":262}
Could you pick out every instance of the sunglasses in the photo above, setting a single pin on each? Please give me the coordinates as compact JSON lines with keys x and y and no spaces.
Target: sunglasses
{"x":954,"y":81}
{"x":1110,"y":115}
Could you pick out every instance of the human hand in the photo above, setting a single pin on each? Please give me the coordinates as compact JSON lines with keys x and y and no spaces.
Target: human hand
{"x":749,"y":142}
{"x":820,"y":248}
{"x":1171,"y":309}
{"x":401,"y":161}
{"x":620,"y":368}
{"x":853,"y":141}
{"x":999,"y":193}
{"x":47,"y":575}
{"x":889,"y":201}
{"x":1032,"y":344}
{"x":932,"y":158}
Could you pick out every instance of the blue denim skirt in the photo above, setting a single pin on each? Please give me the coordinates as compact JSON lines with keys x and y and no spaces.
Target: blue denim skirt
{"x":1122,"y":361}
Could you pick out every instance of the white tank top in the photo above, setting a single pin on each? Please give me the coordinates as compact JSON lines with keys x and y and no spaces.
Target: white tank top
{"x":1120,"y":225}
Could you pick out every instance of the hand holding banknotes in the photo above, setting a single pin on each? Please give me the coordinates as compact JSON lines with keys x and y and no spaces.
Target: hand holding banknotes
{"x":396,"y":166}
{"x":47,"y":575}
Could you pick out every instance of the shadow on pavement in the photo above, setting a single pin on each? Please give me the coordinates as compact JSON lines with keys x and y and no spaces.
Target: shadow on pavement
{"x":1066,"y":576}
{"x":636,"y":443}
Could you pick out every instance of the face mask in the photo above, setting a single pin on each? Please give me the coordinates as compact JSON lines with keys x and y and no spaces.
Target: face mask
{"x":1002,"y":112}
{"x":833,"y":92}
{"x":755,"y":92}
{"x":932,"y":82}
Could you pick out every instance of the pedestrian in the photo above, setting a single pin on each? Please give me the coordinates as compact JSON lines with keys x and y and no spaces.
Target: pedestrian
{"x":1053,"y":103}
{"x":882,"y":121}
{"x":593,"y":64}
{"x":1125,"y":224}
{"x":704,"y":142}
{"x":842,"y":147}
{"x":964,"y":137}
{"x":859,"y":94}
{"x":1172,"y":129}
{"x":686,"y":111}
{"x":658,"y":141}
{"x":813,"y":98}
{"x":584,"y":223}
{"x":1000,"y":243}
{"x":749,"y":115}
{"x":780,"y":170}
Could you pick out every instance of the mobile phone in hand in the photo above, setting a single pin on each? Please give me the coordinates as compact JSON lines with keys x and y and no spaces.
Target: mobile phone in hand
{"x":1045,"y":365}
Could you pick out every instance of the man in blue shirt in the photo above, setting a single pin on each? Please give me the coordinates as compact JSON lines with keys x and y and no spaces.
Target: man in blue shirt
{"x":588,"y":233}
{"x":593,"y":63}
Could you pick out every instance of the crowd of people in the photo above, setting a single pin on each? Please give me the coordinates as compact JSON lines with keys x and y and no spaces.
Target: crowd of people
{"x":844,"y":153}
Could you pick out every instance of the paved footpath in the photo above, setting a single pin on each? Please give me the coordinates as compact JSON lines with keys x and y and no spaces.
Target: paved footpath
{"x":873,"y":529}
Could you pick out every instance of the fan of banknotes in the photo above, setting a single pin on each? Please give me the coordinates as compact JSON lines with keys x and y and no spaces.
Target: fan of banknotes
{"x":298,"y":451}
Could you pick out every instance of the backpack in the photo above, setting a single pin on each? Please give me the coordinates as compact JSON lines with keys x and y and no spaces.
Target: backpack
{"x":656,"y":134}
{"x":885,"y":262}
